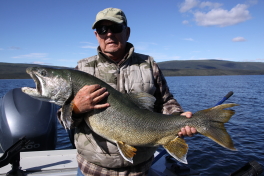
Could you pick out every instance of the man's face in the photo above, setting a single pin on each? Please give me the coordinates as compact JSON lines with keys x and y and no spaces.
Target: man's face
{"x":112,"y":44}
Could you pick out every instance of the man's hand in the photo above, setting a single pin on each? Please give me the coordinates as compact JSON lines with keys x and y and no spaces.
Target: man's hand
{"x":187,"y":131}
{"x":88,"y":98}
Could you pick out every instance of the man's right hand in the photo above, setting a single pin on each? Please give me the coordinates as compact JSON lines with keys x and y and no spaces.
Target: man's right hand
{"x":88,"y":97}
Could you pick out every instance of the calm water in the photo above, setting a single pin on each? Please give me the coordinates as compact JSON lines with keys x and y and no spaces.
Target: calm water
{"x":200,"y":92}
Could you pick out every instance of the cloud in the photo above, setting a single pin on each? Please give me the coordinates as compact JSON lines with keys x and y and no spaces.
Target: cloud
{"x":175,"y":57}
{"x":40,"y":63}
{"x":195,"y":51}
{"x":189,"y":39}
{"x":32,"y":55}
{"x":90,"y":45}
{"x":260,"y":60}
{"x":160,"y":57}
{"x":67,"y":60}
{"x":222,"y":18}
{"x":211,"y":14}
{"x":144,"y":45}
{"x":14,"y":48}
{"x":185,"y":22}
{"x":210,"y":5}
{"x":253,"y":60}
{"x":188,"y":5}
{"x":252,"y":2}
{"x":238,"y":39}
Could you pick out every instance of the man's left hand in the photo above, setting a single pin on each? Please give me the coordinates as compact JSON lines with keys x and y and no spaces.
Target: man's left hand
{"x":187,"y":131}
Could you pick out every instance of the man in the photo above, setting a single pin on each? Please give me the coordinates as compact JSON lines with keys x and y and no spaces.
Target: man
{"x":128,"y":72}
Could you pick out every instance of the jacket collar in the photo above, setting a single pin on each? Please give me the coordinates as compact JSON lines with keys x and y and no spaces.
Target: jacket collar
{"x":129,"y":53}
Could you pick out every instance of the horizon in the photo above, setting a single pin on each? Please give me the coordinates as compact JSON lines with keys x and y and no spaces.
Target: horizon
{"x":47,"y":64}
{"x":59,"y":33}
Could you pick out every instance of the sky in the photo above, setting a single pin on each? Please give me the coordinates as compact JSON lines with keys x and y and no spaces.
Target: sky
{"x":59,"y":32}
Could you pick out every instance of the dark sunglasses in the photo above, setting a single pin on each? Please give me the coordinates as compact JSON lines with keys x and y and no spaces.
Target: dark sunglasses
{"x":115,"y":28}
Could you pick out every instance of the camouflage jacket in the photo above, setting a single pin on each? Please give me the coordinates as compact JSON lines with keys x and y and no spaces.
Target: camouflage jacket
{"x":135,"y":73}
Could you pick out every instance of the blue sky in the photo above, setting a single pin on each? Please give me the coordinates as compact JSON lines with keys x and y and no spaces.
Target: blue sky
{"x":58,"y":32}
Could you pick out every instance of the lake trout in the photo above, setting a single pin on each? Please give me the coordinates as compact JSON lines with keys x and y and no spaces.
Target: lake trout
{"x":129,"y":120}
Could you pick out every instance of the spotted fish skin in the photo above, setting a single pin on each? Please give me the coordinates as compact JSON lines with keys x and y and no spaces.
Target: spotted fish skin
{"x":128,"y":121}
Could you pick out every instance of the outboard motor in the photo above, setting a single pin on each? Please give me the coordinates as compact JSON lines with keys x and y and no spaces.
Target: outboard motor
{"x":24,"y":116}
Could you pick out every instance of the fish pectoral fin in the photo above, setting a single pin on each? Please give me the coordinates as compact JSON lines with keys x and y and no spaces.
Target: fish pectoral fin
{"x":66,"y":113}
{"x":127,"y":151}
{"x":177,"y":148}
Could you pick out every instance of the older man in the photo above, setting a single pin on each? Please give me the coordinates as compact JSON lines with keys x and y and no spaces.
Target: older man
{"x":128,"y":72}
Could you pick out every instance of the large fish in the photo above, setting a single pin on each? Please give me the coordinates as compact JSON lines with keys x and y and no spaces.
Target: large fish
{"x":128,"y":121}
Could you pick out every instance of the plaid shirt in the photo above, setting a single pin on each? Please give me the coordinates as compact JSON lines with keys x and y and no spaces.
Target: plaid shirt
{"x":90,"y":169}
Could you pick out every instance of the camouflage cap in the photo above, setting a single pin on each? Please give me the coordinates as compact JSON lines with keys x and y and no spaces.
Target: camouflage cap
{"x":112,"y":14}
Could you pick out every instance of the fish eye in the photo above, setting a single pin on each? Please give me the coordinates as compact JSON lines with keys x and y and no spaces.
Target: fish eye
{"x":43,"y":73}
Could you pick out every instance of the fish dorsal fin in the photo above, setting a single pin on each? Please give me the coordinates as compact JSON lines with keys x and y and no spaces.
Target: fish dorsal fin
{"x":143,"y":100}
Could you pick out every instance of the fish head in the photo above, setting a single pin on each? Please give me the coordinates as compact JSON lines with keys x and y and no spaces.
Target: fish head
{"x":52,"y":85}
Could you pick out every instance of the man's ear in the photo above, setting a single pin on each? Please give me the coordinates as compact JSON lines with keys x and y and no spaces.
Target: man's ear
{"x":95,"y":33}
{"x":97,"y":36}
{"x":127,"y":33}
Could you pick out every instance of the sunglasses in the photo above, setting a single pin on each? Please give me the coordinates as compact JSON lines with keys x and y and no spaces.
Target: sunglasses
{"x":115,"y":28}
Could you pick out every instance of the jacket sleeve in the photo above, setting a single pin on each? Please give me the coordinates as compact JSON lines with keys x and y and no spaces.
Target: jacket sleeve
{"x":165,"y":103}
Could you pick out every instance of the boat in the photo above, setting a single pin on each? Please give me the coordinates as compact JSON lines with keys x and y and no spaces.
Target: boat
{"x":28,"y":131}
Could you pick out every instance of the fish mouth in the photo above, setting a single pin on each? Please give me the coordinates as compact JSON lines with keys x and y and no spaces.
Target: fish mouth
{"x":36,"y":80}
{"x":37,"y":92}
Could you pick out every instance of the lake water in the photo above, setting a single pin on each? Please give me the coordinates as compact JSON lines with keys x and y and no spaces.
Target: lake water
{"x":201,"y":92}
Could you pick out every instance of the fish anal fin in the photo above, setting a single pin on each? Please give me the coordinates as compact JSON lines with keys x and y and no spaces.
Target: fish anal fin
{"x":127,"y":151}
{"x":177,"y":148}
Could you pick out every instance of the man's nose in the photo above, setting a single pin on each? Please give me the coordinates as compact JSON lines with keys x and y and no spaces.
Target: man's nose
{"x":109,"y":32}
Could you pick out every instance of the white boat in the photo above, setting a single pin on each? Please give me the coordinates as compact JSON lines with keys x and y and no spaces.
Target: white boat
{"x":63,"y":163}
{"x":21,"y":115}
{"x":46,"y":163}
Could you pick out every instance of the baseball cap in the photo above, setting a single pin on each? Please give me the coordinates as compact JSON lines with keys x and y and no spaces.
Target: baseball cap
{"x":112,"y":14}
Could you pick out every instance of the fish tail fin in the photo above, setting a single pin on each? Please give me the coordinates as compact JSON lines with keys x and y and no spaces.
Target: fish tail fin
{"x":214,"y":128}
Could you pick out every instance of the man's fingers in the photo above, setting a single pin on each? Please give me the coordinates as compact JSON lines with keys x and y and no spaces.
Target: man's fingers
{"x":187,"y":131}
{"x":188,"y":114}
{"x":180,"y":134}
{"x":90,"y":88}
{"x":87,"y":98}
{"x":100,"y":106}
{"x":193,"y":130}
{"x":93,"y":93}
{"x":98,"y":92}
{"x":102,"y":95}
